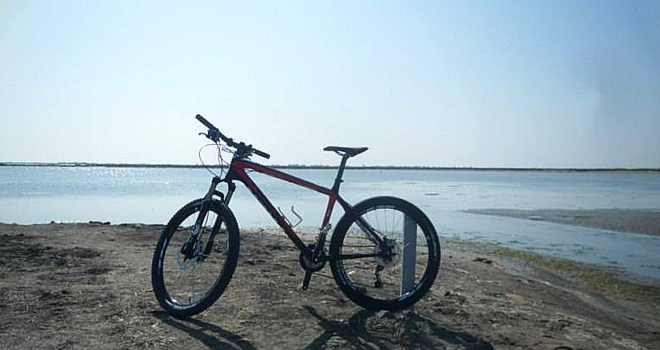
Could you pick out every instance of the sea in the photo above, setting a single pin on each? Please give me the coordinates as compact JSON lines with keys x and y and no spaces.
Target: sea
{"x":41,"y":194}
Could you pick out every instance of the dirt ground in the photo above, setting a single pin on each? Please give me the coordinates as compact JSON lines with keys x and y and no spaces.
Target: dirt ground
{"x":87,"y":286}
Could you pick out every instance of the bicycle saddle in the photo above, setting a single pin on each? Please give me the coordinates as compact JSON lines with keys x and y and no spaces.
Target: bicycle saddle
{"x":348,"y":151}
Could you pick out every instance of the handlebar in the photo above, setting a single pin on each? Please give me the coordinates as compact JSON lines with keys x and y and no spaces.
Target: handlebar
{"x":205,"y":122}
{"x":260,"y":153}
{"x":214,"y":134}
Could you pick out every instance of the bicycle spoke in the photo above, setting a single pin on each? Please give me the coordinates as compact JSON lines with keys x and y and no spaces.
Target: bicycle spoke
{"x":191,"y":278}
{"x":381,"y":276}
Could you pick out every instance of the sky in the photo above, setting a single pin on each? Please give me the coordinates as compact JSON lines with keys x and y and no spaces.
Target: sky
{"x":465,"y":83}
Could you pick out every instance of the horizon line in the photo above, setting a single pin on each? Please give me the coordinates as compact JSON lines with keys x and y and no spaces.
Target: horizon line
{"x":321,"y":166}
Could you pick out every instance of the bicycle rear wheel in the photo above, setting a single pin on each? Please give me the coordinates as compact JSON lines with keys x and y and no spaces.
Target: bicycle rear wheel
{"x":187,"y":275}
{"x":408,"y":256}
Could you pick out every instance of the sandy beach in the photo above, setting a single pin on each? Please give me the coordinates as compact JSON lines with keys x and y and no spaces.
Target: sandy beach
{"x":82,"y":286}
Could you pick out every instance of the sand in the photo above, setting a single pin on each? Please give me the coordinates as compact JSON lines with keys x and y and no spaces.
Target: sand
{"x":87,"y":286}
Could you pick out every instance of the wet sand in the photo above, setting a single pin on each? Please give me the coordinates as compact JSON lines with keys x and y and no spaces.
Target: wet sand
{"x":645,"y":221}
{"x":87,"y":286}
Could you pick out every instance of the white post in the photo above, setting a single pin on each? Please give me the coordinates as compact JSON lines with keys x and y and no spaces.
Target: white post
{"x":409,"y":252}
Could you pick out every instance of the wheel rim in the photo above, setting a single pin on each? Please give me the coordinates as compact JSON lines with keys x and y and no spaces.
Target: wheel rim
{"x":189,"y":281}
{"x":403,"y":250}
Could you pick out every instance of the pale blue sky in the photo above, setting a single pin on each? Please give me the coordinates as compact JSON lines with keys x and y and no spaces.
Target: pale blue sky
{"x":495,"y":83}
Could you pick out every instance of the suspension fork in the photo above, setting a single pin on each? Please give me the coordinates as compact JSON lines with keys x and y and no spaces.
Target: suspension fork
{"x":231,"y":187}
{"x":206,"y":204}
{"x":189,"y":247}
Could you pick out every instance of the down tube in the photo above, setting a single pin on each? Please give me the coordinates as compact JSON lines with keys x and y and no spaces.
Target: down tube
{"x":271,"y":209}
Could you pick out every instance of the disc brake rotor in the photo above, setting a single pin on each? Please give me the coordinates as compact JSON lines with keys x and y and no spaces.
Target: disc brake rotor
{"x":185,"y":263}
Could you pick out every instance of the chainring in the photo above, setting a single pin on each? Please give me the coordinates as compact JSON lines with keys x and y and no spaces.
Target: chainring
{"x":312,"y":266}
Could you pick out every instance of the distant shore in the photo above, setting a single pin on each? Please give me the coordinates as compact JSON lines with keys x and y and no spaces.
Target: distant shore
{"x":321,"y":167}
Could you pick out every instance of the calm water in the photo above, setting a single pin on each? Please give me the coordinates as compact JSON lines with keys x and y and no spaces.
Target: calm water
{"x":41,"y":194}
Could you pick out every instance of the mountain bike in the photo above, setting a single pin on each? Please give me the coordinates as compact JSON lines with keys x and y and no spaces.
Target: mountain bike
{"x":384,"y":252}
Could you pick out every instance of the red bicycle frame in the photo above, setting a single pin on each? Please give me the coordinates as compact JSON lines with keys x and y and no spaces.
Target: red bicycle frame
{"x":238,"y":172}
{"x":313,"y":256}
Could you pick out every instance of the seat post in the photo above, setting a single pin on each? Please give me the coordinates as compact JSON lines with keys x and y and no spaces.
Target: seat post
{"x":340,"y":173}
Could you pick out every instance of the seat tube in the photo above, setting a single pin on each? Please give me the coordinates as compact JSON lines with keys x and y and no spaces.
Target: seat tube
{"x":340,"y":174}
{"x":328,"y":212}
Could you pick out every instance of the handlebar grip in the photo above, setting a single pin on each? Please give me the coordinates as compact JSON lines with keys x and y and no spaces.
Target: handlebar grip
{"x":260,"y":153}
{"x":205,"y":122}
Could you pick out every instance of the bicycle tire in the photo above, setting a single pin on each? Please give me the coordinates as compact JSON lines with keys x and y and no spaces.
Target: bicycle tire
{"x":348,"y":231}
{"x":164,"y":295}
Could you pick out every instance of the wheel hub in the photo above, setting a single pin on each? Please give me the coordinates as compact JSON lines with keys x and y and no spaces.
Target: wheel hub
{"x":190,"y":254}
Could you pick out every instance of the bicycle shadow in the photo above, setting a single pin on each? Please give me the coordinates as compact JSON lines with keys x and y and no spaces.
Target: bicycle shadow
{"x":202,"y":331}
{"x":411,"y":330}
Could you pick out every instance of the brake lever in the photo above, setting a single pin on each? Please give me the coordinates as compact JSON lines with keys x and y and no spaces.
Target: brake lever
{"x":211,"y":136}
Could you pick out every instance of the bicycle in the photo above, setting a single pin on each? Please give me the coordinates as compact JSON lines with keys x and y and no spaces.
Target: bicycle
{"x":384,"y":252}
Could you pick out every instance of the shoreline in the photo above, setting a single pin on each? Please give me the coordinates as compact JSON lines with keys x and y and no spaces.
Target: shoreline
{"x":351,"y":167}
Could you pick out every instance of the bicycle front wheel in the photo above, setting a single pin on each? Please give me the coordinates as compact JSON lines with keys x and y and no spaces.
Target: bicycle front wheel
{"x":190,"y":272}
{"x":392,"y":271}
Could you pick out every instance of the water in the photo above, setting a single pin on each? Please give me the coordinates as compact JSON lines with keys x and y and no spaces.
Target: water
{"x":151,"y":195}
